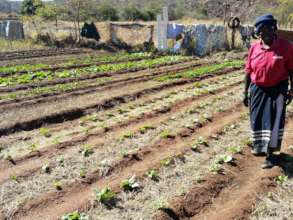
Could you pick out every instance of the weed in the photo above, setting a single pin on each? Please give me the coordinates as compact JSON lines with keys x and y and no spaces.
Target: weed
{"x":9,"y":158}
{"x":75,"y":216}
{"x":33,"y":147}
{"x":105,"y":195}
{"x":45,"y":132}
{"x":202,"y":141}
{"x":224,"y":159}
{"x":247,"y":141}
{"x":60,"y":161}
{"x":130,"y":184}
{"x":128,"y":135}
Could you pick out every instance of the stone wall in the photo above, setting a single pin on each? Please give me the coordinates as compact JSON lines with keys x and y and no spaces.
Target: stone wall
{"x":11,"y":30}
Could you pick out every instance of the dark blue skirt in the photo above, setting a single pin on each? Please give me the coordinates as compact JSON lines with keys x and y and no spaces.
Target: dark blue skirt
{"x":267,"y":116}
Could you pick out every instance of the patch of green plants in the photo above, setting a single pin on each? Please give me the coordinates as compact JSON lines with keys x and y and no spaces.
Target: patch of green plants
{"x":46,"y":168}
{"x":57,"y":185}
{"x":159,"y":205}
{"x":167,"y":161}
{"x":105,"y":195}
{"x":215,"y":168}
{"x":14,"y":178}
{"x":130,"y":184}
{"x":75,"y":216}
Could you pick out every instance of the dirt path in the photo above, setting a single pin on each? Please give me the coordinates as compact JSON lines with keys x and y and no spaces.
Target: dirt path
{"x":60,"y":203}
{"x":229,"y":196}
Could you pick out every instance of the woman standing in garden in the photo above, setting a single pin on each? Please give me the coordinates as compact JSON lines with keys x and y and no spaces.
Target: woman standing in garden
{"x":269,"y":69}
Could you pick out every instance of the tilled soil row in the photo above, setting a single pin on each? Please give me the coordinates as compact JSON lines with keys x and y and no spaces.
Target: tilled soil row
{"x":6,"y":104}
{"x":86,"y":77}
{"x":61,"y":116}
{"x":37,"y":53}
{"x":31,"y":163}
{"x":139,"y":163}
{"x":229,"y":196}
{"x":76,"y":66}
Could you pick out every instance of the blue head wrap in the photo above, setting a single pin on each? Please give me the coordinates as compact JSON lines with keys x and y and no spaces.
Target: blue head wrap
{"x":266,"y":19}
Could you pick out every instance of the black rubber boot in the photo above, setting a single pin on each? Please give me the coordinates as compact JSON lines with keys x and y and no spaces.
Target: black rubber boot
{"x":269,"y":161}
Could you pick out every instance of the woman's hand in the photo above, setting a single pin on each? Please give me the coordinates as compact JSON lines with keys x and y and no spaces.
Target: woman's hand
{"x":289,"y":97}
{"x":245,"y":99}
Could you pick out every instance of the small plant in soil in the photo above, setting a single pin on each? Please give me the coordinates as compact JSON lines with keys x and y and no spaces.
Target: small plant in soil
{"x":130,"y":184}
{"x":145,"y":128}
{"x":202,"y":141}
{"x":33,"y":148}
{"x":14,"y":178}
{"x":46,"y":168}
{"x":9,"y":158}
{"x":60,"y":161}
{"x":75,"y":216}
{"x":105,"y":196}
{"x":247,"y":141}
{"x":86,"y":151}
{"x":153,"y":175}
{"x":167,"y":162}
{"x":224,"y":159}
{"x":128,"y":135}
{"x":215,"y":168}
{"x":45,"y":132}
{"x":281,"y":179}
{"x":159,"y":205}
{"x":235,"y":150}
{"x":290,"y":147}
{"x":82,"y":173}
{"x":166,"y":134}
{"x":57,"y":185}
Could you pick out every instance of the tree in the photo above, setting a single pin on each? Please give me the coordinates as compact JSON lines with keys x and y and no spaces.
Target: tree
{"x":132,"y":13}
{"x":50,"y":12}
{"x":29,"y":7}
{"x":78,"y":10}
{"x":106,"y":12}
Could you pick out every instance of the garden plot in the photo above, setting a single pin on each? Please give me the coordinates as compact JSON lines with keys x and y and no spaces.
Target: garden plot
{"x":21,"y":144}
{"x":121,"y":147}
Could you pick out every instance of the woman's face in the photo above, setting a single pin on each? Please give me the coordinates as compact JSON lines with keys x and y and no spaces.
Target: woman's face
{"x":267,"y":34}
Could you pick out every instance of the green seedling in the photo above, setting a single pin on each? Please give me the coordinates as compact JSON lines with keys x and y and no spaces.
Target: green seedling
{"x":122,"y":111}
{"x":167,"y":162}
{"x":166,"y":134}
{"x":9,"y":158}
{"x":202,"y":141}
{"x":281,"y":179}
{"x":14,"y":178}
{"x":290,"y":147}
{"x":82,"y":173}
{"x":45,"y":132}
{"x":46,"y":168}
{"x":215,"y":168}
{"x":128,"y":135}
{"x":145,"y":128}
{"x":152,"y":174}
{"x":86,"y":151}
{"x":270,"y":195}
{"x":105,"y":196}
{"x":93,"y":118}
{"x":220,"y":109}
{"x":75,"y":216}
{"x":60,"y":161}
{"x":130,"y":184}
{"x":57,"y":185}
{"x":224,"y":159}
{"x":194,"y":147}
{"x":247,"y":141}
{"x":33,"y":147}
{"x":235,"y":150}
{"x":159,"y":205}
{"x":110,"y":115}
